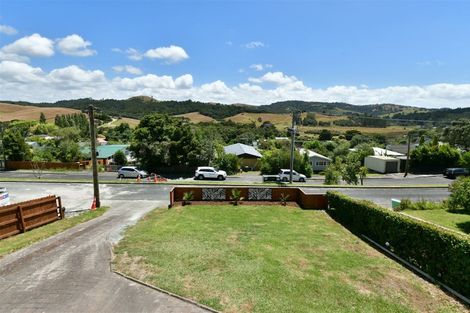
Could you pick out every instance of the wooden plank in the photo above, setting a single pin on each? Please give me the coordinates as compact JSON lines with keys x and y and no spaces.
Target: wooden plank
{"x":8,"y":222}
{"x":17,"y":231}
{"x":21,"y":219}
{"x":43,"y":212}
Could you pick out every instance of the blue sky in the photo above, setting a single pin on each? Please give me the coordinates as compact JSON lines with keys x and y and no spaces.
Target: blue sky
{"x":408,"y":52}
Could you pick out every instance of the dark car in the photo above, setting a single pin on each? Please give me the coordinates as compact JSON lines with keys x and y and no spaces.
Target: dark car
{"x":455,"y":172}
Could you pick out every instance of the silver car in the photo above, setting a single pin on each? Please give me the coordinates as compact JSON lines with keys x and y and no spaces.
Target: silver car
{"x":131,"y":172}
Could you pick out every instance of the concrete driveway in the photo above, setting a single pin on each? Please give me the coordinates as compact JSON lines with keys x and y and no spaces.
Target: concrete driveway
{"x":70,"y":272}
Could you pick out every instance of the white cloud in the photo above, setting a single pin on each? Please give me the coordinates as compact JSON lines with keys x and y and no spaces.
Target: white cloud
{"x":21,"y":81}
{"x":217,"y":87}
{"x":274,"y":77}
{"x":184,"y":81}
{"x":260,"y":67}
{"x":128,"y":69}
{"x":13,"y":57}
{"x":171,"y":54}
{"x":75,"y":45}
{"x":8,"y":30}
{"x":34,"y":45}
{"x":11,"y":71}
{"x":134,"y":54}
{"x":254,"y":45}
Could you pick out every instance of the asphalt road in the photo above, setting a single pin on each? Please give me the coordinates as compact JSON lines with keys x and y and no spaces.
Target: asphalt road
{"x":372,"y":180}
{"x":76,"y":196}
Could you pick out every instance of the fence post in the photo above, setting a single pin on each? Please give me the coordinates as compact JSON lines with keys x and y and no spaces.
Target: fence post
{"x":21,"y":218}
{"x":61,"y":211}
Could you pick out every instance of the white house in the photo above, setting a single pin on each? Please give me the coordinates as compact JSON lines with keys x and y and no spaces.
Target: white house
{"x":319,"y":162}
{"x":382,"y":164}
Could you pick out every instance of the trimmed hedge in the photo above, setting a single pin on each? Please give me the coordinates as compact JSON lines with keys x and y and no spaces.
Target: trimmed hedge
{"x":442,"y":254}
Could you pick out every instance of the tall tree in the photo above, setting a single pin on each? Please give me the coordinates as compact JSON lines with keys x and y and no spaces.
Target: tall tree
{"x":161,"y":140}
{"x":42,"y":118}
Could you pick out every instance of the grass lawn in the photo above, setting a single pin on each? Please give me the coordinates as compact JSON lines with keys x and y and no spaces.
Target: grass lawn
{"x":456,"y":221}
{"x":270,"y":259}
{"x":11,"y":244}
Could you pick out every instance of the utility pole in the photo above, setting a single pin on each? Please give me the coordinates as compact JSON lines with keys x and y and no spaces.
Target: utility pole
{"x":407,"y":165}
{"x":96,"y":186}
{"x":292,"y":146}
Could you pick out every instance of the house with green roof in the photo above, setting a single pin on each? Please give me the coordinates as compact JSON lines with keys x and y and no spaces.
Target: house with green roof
{"x":105,"y":153}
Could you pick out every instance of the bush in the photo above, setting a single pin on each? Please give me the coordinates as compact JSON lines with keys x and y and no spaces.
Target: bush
{"x":434,"y":158}
{"x":441,"y":253}
{"x":332,"y":175}
{"x":120,"y":158}
{"x":406,"y":204}
{"x":325,"y":134}
{"x":228,"y":162}
{"x":459,"y":198}
{"x":273,"y":161}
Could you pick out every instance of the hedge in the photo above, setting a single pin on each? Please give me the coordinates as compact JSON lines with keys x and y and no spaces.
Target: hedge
{"x":440,"y":253}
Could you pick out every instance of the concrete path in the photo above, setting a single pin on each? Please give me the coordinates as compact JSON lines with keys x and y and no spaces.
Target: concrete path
{"x":70,"y":272}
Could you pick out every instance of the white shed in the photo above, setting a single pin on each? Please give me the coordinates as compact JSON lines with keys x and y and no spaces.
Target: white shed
{"x":382,"y":164}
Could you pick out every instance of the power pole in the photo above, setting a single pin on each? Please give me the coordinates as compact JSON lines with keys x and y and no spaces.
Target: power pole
{"x":407,"y":165}
{"x":292,"y":146}
{"x":96,"y":186}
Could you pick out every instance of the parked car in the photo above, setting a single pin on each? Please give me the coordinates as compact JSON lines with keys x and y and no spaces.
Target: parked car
{"x":455,"y":172}
{"x":131,"y":172}
{"x":207,"y":172}
{"x":284,"y":176}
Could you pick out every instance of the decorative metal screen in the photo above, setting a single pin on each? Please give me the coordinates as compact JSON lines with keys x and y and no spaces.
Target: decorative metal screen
{"x":213,"y":194}
{"x":260,"y":194}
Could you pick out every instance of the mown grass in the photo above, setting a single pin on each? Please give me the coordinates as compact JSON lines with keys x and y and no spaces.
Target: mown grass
{"x":270,"y":259}
{"x":459,"y":221}
{"x":20,"y":241}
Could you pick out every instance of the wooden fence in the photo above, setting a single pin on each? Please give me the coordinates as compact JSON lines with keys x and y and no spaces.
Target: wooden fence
{"x":268,"y":194}
{"x":23,"y":216}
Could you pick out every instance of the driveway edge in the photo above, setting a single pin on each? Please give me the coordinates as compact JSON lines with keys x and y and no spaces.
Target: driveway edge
{"x":202,"y":306}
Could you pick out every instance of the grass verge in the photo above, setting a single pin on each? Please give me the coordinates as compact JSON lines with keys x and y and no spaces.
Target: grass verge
{"x":457,"y":221}
{"x":270,"y":259}
{"x":14,"y":243}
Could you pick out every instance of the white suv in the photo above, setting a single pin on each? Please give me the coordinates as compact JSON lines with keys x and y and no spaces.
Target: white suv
{"x":207,"y":172}
{"x":284,"y":175}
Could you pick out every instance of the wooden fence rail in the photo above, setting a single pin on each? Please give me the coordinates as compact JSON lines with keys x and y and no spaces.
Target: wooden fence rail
{"x":268,"y":194}
{"x":23,"y":216}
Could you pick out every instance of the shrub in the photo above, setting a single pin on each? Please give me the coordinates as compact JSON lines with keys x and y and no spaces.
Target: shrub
{"x":273,"y":161}
{"x":228,"y":162}
{"x":120,"y":158}
{"x":187,"y":197}
{"x":332,"y":175}
{"x":325,"y":134}
{"x":441,"y":253}
{"x":434,"y":158}
{"x":236,"y":196}
{"x":406,"y":204}
{"x":459,"y":198}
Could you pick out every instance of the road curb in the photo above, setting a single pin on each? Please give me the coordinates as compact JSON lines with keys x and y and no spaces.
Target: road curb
{"x":108,"y":182}
{"x":202,"y":306}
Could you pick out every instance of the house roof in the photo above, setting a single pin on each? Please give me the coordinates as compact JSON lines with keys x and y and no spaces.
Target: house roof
{"x":105,"y":151}
{"x":313,"y":154}
{"x":382,"y":157}
{"x":240,"y":149}
{"x":385,"y":152}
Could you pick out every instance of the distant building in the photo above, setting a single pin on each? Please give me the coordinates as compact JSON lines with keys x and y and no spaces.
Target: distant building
{"x":319,"y":162}
{"x":248,"y":155}
{"x":386,"y":152}
{"x":382,"y":164}
{"x":105,"y":153}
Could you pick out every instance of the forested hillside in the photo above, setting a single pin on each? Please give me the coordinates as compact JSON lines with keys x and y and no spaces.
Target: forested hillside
{"x":137,"y":107}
